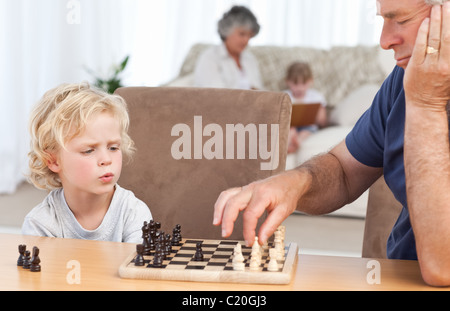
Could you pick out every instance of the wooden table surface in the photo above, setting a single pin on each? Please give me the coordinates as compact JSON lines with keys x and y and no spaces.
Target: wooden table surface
{"x":99,"y":263}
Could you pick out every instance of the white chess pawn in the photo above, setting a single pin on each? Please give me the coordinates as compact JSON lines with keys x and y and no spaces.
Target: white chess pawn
{"x":254,"y":264}
{"x":237,"y":255}
{"x":279,"y":249}
{"x":273,"y":265}
{"x":256,"y":251}
{"x":238,"y":259}
{"x":256,"y":248}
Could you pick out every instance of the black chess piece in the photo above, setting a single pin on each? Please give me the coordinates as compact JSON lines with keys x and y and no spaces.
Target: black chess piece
{"x":139,"y":259}
{"x":146,"y":239}
{"x":178,"y":227}
{"x":152,"y":233}
{"x":168,"y":244}
{"x":26,"y":260}
{"x":22,"y":249}
{"x":35,"y":261}
{"x":175,"y":238}
{"x":198,"y":256}
{"x":158,"y":258}
{"x":162,"y":245}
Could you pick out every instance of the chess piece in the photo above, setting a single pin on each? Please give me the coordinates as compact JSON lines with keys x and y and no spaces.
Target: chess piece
{"x":146,"y":239}
{"x":152,"y":232}
{"x":178,"y":227}
{"x":162,"y":243}
{"x":279,"y":245}
{"x":254,"y":264}
{"x":168,"y":244}
{"x":273,"y":264}
{"x":256,"y":251}
{"x":175,"y":238}
{"x":238,"y":258}
{"x":26,"y":260}
{"x":158,"y":258}
{"x":35,"y":261}
{"x":139,"y":260}
{"x":22,"y":249}
{"x":198,"y":256}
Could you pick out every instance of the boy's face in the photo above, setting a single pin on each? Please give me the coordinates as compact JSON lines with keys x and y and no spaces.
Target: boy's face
{"x":91,"y":161}
{"x":299,"y":89}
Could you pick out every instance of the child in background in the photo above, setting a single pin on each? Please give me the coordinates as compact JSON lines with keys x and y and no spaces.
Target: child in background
{"x":78,"y":138}
{"x":299,"y":80}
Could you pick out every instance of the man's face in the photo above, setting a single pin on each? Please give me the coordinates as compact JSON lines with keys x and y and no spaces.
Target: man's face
{"x":402,"y":19}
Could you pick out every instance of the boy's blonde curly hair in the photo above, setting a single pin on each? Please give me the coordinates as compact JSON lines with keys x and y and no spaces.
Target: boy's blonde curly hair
{"x":62,"y":114}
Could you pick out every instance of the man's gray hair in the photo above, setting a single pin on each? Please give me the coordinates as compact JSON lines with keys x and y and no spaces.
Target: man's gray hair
{"x":435,"y":2}
{"x":237,"y":16}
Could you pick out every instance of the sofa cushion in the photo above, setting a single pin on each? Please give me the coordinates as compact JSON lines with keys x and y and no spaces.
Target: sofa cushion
{"x":337,"y":71}
{"x":349,"y":110}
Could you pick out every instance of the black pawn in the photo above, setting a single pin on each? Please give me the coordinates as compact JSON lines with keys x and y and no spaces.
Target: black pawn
{"x":152,"y":234}
{"x":35,"y":261}
{"x":146,"y":239}
{"x":162,"y":244}
{"x":168,"y":245}
{"x":198,"y":253}
{"x":26,"y":260}
{"x":157,"y":259}
{"x":22,"y":249}
{"x":175,"y":238}
{"x":139,"y":260}
{"x":178,"y":227}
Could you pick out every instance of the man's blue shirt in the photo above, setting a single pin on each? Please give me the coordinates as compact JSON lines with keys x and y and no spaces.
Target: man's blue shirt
{"x":377,"y":141}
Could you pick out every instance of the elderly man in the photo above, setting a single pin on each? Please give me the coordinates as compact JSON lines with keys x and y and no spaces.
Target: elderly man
{"x":404,"y":135}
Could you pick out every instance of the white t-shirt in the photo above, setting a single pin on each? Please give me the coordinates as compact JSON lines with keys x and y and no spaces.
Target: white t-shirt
{"x":122,"y":222}
{"x":216,"y":68}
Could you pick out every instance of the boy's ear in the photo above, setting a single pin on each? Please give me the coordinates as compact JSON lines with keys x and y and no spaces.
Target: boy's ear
{"x":53,"y":163}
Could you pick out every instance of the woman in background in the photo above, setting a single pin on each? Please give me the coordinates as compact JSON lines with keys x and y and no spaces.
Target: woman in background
{"x":231,"y":65}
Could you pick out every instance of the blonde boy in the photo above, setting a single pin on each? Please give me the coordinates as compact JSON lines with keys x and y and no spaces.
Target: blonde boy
{"x":78,"y":138}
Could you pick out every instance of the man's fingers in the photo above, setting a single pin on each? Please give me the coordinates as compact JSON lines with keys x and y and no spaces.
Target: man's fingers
{"x":434,"y":35}
{"x":255,"y":209}
{"x":445,"y":36}
{"x":234,"y":205}
{"x":420,"y":48}
{"x":270,"y":225}
{"x":221,"y":203}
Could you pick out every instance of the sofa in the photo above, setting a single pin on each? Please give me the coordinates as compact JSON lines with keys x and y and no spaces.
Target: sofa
{"x":348,"y":77}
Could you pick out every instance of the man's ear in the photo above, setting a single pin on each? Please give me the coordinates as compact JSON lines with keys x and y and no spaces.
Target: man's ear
{"x":53,"y":162}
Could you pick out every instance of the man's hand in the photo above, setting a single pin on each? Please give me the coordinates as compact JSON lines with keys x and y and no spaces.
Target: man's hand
{"x":427,"y":76}
{"x":278,"y":195}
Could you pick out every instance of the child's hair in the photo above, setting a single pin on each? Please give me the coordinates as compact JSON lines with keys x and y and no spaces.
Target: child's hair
{"x":299,"y":72}
{"x":62,"y":114}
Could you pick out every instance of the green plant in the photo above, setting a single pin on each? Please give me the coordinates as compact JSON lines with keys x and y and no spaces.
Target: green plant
{"x":114,"y":81}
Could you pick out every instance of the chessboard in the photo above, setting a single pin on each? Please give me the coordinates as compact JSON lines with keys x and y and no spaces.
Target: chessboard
{"x":162,"y":256}
{"x":215,"y":266}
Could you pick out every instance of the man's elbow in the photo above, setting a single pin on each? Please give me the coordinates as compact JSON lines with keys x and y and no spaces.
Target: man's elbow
{"x":437,"y":275}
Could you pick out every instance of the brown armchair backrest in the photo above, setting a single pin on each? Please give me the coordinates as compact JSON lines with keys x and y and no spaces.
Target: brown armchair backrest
{"x":382,"y":212}
{"x":189,"y":150}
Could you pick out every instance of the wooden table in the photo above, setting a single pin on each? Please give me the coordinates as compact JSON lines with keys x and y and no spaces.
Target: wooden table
{"x":99,"y":263}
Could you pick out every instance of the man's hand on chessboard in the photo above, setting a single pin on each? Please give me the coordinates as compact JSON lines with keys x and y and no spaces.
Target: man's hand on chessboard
{"x":278,"y":195}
